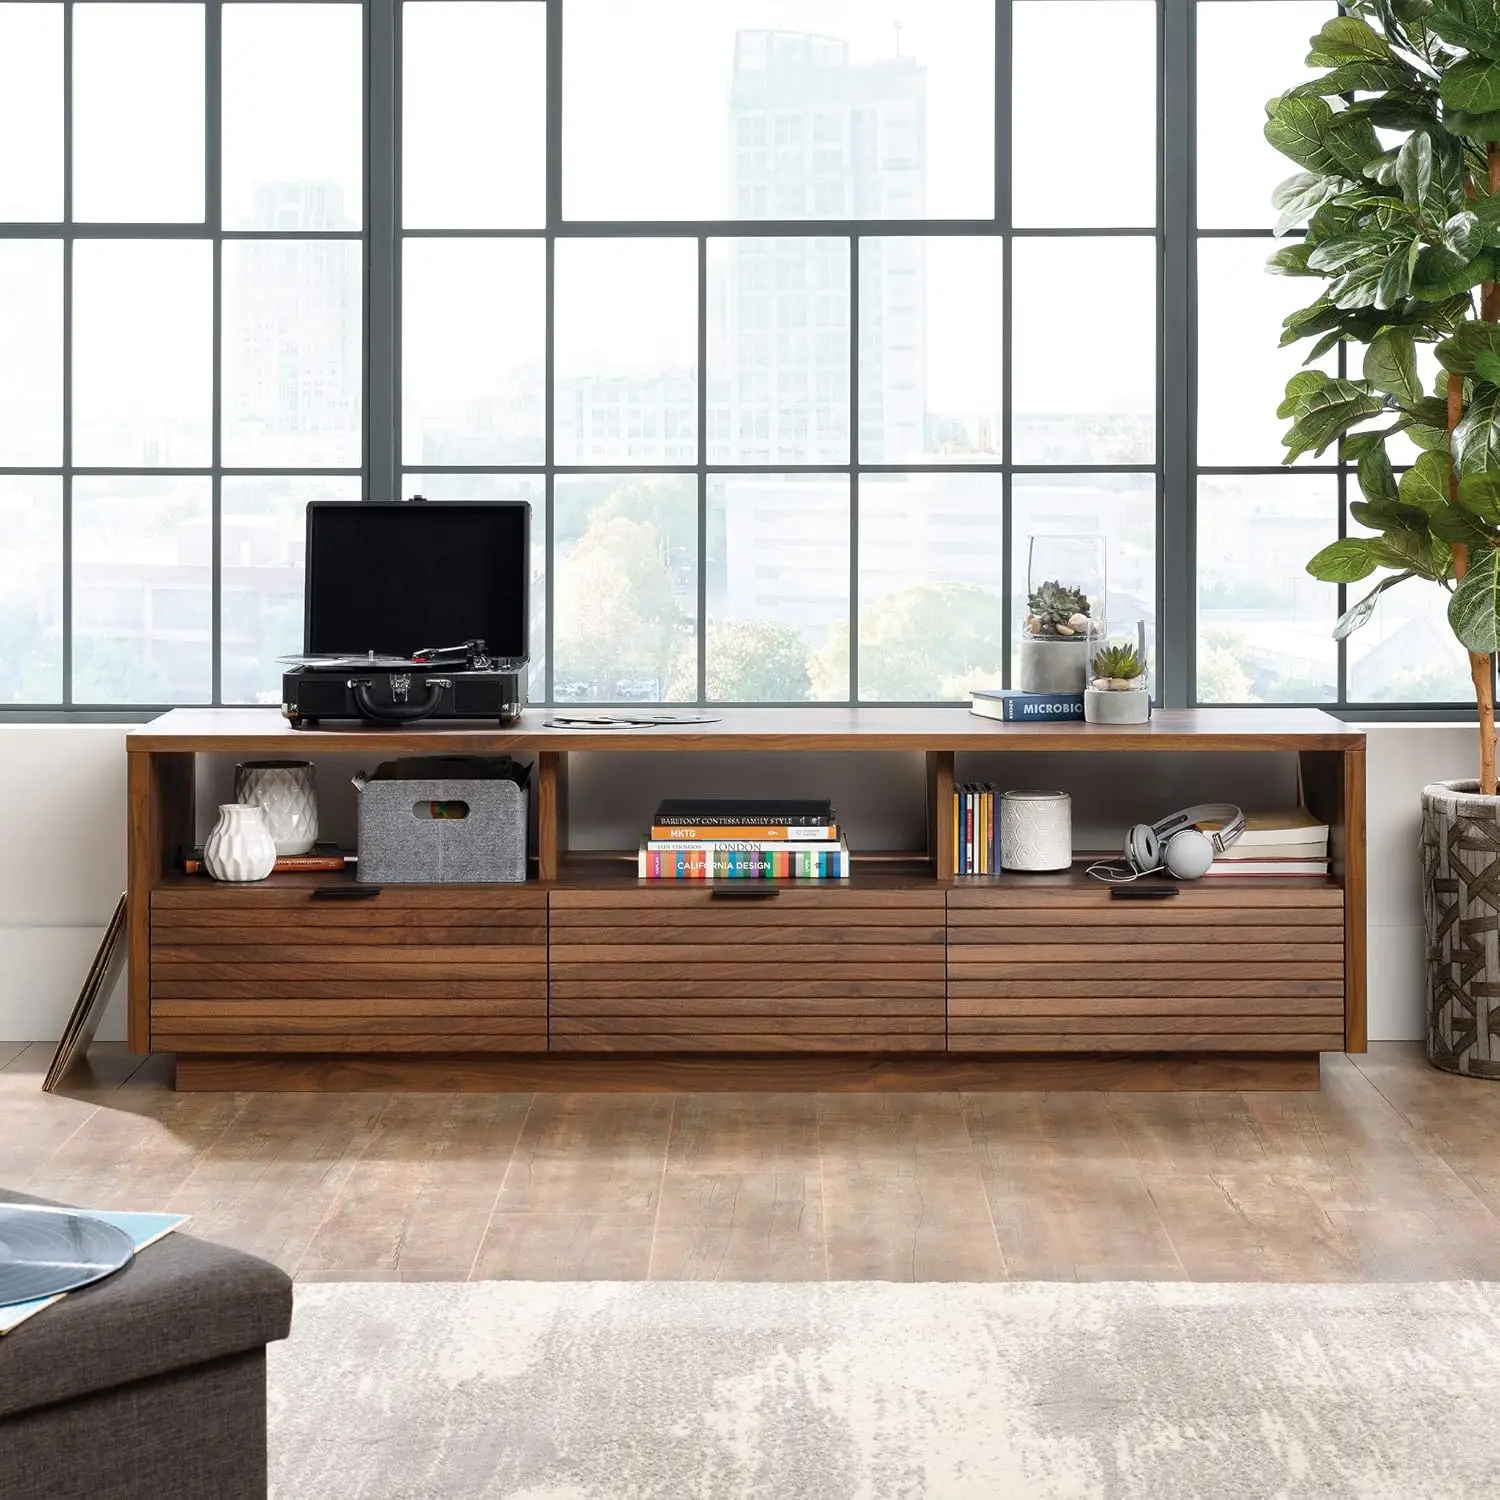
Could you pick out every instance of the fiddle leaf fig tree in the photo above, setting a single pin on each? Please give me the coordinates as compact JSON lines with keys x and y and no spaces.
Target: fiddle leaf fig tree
{"x":1404,"y":241}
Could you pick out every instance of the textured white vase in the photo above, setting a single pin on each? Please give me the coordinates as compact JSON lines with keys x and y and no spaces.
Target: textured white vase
{"x":284,"y":790}
{"x":240,"y":847}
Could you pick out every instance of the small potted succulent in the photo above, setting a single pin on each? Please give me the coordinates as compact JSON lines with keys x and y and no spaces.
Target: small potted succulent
{"x":1117,"y":692}
{"x":1057,"y":636}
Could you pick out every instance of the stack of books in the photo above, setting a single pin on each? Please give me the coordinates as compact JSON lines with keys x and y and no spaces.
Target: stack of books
{"x":708,"y":838}
{"x":1013,"y":705}
{"x":976,"y":840}
{"x":1290,"y":843}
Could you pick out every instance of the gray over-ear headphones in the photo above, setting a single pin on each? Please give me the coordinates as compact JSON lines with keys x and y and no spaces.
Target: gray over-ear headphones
{"x":1175,"y":845}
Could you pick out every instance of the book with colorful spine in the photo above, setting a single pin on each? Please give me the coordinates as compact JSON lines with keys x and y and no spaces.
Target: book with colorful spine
{"x":707,"y":862}
{"x":975,"y":851}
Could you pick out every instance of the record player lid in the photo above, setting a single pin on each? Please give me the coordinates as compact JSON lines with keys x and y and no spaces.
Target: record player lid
{"x":394,"y":578}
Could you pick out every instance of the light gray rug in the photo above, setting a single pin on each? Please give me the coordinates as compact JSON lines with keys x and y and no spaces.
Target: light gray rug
{"x":571,"y":1391}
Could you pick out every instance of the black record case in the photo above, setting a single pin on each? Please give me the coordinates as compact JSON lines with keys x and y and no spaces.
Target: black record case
{"x":413,"y":611}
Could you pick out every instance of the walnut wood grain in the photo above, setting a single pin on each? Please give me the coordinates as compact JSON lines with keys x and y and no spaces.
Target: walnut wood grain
{"x":1072,"y":891}
{"x":794,"y":939}
{"x":1042,"y":1003}
{"x":522,"y":1000}
{"x":551,"y":813}
{"x":704,"y":1022}
{"x":338,"y":941}
{"x":641,"y":1000}
{"x":848,"y":1040}
{"x":940,"y":773}
{"x":273,"y":974}
{"x":1124,"y":940}
{"x":771,"y":987}
{"x":1099,"y":973}
{"x":797,"y":1072}
{"x":1231,"y":987}
{"x":352,"y":1039}
{"x":194,"y":894}
{"x":399,"y":956}
{"x":651,"y":973}
{"x":1163,"y":914}
{"x":159,"y":820}
{"x":295,"y":988}
{"x":1162,"y":1041}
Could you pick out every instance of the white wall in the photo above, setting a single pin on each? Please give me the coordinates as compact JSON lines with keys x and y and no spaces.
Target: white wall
{"x":62,"y":831}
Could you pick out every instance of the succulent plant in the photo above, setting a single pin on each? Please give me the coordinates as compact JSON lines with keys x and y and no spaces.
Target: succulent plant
{"x":1054,"y":609}
{"x":1118,"y":668}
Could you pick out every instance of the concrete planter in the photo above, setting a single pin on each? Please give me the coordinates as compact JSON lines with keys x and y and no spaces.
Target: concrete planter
{"x":1050,"y":664}
{"x":1111,"y":706}
{"x":1461,"y":905}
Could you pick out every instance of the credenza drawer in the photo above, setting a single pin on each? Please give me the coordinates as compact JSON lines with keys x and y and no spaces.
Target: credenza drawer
{"x":810,"y":969}
{"x":409,"y":969}
{"x":1210,"y":969}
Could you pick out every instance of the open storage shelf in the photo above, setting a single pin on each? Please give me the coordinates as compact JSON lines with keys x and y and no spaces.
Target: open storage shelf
{"x":587,"y":976}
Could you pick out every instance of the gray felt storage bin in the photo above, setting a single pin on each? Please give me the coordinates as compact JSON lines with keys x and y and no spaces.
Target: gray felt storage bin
{"x":411,"y":830}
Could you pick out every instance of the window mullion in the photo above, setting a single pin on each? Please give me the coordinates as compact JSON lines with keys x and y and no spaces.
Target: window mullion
{"x":382,"y":435}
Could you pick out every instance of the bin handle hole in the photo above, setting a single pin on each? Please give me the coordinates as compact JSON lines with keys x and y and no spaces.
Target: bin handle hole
{"x":443,"y":811}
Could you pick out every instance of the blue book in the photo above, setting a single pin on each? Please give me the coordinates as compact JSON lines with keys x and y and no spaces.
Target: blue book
{"x":1012,"y":705}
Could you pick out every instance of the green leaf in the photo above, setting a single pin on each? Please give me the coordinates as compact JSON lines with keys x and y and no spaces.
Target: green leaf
{"x":1473,"y":25}
{"x":1480,"y":494}
{"x":1414,"y":168}
{"x":1440,"y":274}
{"x":1472,"y":85}
{"x":1463,"y":236}
{"x":1291,"y":260}
{"x":1334,"y":255}
{"x":1352,"y":141}
{"x":1458,"y":354}
{"x":1327,"y":413}
{"x":1345,"y":38}
{"x":1390,"y":517}
{"x":1391,"y":364}
{"x":1359,"y":614}
{"x":1425,"y":484}
{"x":1358,"y":444}
{"x":1474,"y":609}
{"x":1377,"y":481}
{"x":1298,"y":391}
{"x":1426,"y":557}
{"x":1484,"y":127}
{"x":1454,"y":525}
{"x":1431,"y":439}
{"x":1363,"y":75}
{"x":1487,"y":366}
{"x":1394,"y":285}
{"x":1358,"y":286}
{"x":1298,"y":127}
{"x":1299,"y":196}
{"x":1345,"y":561}
{"x":1476,"y":439}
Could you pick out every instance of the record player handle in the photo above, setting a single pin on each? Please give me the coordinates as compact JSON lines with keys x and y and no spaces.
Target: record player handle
{"x":397,"y":714}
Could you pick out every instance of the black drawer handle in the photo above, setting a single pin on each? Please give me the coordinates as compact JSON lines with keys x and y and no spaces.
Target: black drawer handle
{"x":742,"y":893}
{"x":345,"y":892}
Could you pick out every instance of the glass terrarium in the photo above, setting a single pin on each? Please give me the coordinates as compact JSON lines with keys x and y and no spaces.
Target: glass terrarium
{"x":1118,"y":690}
{"x":1066,"y":593}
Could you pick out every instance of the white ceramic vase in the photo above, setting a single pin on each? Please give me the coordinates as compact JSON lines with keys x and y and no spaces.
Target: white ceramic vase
{"x":284,"y":790}
{"x":240,"y":847}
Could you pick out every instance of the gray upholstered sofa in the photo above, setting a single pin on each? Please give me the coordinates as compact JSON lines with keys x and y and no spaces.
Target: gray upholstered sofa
{"x":152,"y":1383}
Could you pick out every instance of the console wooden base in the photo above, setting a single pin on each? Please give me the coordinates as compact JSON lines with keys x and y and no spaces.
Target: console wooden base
{"x":901,"y":977}
{"x":788,"y":1072}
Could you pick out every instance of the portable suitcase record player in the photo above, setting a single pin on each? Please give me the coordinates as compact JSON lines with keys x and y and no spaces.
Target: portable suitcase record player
{"x":413,"y":611}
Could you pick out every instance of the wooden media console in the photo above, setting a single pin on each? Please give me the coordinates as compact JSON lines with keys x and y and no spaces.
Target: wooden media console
{"x":585,"y":977}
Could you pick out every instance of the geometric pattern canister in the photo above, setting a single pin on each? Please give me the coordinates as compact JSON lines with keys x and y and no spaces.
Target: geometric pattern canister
{"x":285,"y":790}
{"x":1461,"y":907}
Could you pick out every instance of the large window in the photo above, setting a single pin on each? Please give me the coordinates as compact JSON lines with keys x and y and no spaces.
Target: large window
{"x":793,"y":320}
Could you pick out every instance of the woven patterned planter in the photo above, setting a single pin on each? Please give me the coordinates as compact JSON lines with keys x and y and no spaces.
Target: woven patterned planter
{"x":1461,"y":905}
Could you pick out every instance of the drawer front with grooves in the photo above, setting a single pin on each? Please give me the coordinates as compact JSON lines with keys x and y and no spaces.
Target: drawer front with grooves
{"x":803,"y":970}
{"x":273,"y":968}
{"x":1072,"y":970}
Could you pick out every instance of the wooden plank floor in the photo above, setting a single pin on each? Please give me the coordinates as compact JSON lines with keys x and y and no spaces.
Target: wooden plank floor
{"x":1391,"y":1172}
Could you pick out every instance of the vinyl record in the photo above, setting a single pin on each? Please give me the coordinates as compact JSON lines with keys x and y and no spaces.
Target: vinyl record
{"x":44,"y":1251}
{"x":346,"y":662}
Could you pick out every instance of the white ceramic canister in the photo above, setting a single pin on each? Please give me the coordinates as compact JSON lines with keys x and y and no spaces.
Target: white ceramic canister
{"x":240,"y":847}
{"x":1036,"y":831}
{"x":284,"y":789}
